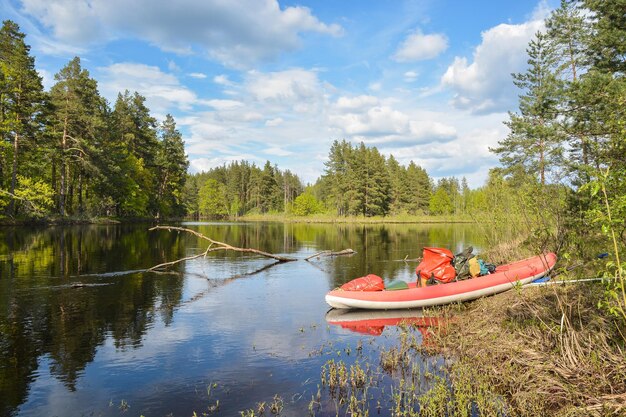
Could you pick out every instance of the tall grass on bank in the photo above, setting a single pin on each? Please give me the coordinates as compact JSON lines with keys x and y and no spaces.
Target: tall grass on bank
{"x":545,"y":351}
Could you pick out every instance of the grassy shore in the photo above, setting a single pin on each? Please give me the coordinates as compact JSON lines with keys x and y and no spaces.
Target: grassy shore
{"x":536,"y":351}
{"x":267,"y":217}
{"x":327,"y":218}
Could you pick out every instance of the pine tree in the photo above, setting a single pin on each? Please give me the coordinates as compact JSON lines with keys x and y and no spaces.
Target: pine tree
{"x":336,"y":175}
{"x":535,"y":139}
{"x":397,"y":180}
{"x":76,"y":123}
{"x":172,"y":170}
{"x":133,"y":151}
{"x":378,"y":184}
{"x":21,"y":102}
{"x":271,"y":192}
{"x":607,"y":46}
{"x":420,"y":189}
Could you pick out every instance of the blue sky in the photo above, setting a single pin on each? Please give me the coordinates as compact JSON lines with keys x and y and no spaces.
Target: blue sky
{"x":424,"y":80}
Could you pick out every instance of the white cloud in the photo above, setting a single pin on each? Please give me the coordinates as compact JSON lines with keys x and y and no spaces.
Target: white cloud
{"x":274,"y":122}
{"x":237,"y":33}
{"x":197,"y":75}
{"x":376,"y":86}
{"x":289,"y":85}
{"x":376,"y":122}
{"x":418,"y":47}
{"x":485,"y":85}
{"x":357,"y":103}
{"x":223,"y":104}
{"x":222,"y":80}
{"x":162,"y":91}
{"x":410,"y":76}
{"x":205,"y":164}
{"x":277,"y":151}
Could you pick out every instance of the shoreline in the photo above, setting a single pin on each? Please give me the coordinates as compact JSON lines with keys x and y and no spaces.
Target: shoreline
{"x":270,"y":218}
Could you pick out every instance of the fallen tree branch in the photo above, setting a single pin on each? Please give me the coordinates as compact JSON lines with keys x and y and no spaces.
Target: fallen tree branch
{"x":331,"y":253}
{"x":213,"y":246}
{"x":406,"y":259}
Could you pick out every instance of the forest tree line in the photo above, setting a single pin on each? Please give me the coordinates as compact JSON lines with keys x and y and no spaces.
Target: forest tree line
{"x":357,"y":181}
{"x":67,"y":152}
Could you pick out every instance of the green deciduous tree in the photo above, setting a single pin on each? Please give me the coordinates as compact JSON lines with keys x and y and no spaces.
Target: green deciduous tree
{"x":306,"y":204}
{"x":212,"y":199}
{"x":440,"y":202}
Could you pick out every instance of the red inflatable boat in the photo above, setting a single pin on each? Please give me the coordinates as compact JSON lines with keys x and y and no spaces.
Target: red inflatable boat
{"x":504,"y":278}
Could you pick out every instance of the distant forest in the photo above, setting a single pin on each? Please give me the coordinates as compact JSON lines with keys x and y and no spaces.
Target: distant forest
{"x":357,"y":181}
{"x":68,"y":153}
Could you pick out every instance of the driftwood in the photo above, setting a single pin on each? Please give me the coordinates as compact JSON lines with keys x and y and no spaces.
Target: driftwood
{"x":331,"y":253}
{"x":406,"y":259}
{"x":214,"y":246}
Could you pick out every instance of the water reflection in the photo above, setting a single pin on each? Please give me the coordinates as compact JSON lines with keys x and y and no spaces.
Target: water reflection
{"x":373,"y":322}
{"x":80,"y":321}
{"x":43,"y":316}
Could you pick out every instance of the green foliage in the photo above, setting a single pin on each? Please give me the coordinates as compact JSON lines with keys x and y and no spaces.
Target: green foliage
{"x":535,"y":139}
{"x":21,"y":100}
{"x":212,"y":199}
{"x":98,"y":161}
{"x":75,"y":123}
{"x":35,"y":197}
{"x":609,"y":214}
{"x":361,"y":181}
{"x":247,"y":188}
{"x":306,"y":204}
{"x":172,"y":174}
{"x":571,"y":121}
{"x":440,"y":202}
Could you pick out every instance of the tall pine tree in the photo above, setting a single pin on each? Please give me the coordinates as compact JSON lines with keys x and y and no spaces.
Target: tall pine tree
{"x":172,"y":170}
{"x":534,"y":143}
{"x":21,"y":104}
{"x":77,"y":122}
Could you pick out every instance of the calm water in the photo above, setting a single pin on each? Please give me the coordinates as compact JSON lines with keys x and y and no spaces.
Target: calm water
{"x":83,"y":331}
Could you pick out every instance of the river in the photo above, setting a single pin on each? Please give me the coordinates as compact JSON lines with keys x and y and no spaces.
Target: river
{"x":84,"y":330}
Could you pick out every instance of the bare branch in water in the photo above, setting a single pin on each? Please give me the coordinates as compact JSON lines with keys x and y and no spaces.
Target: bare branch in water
{"x":213,"y":246}
{"x":331,"y":253}
{"x":407,"y":260}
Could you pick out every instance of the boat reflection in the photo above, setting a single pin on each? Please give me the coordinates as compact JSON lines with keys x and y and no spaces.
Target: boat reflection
{"x":373,"y":322}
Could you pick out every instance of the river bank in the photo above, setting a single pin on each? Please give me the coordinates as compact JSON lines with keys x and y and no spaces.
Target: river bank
{"x":536,"y":351}
{"x":275,"y":218}
{"x":324,"y":218}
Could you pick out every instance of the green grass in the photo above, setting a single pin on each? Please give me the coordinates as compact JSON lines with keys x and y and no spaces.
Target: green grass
{"x":328,"y":218}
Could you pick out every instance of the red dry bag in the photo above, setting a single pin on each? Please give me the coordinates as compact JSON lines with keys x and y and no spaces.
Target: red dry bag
{"x":436,"y":262}
{"x":369,"y":282}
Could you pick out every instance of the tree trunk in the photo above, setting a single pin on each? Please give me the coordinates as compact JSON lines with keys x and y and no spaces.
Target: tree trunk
{"x":81,"y":209}
{"x":62,"y":191}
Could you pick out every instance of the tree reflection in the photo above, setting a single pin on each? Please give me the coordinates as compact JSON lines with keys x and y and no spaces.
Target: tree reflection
{"x":39,"y":317}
